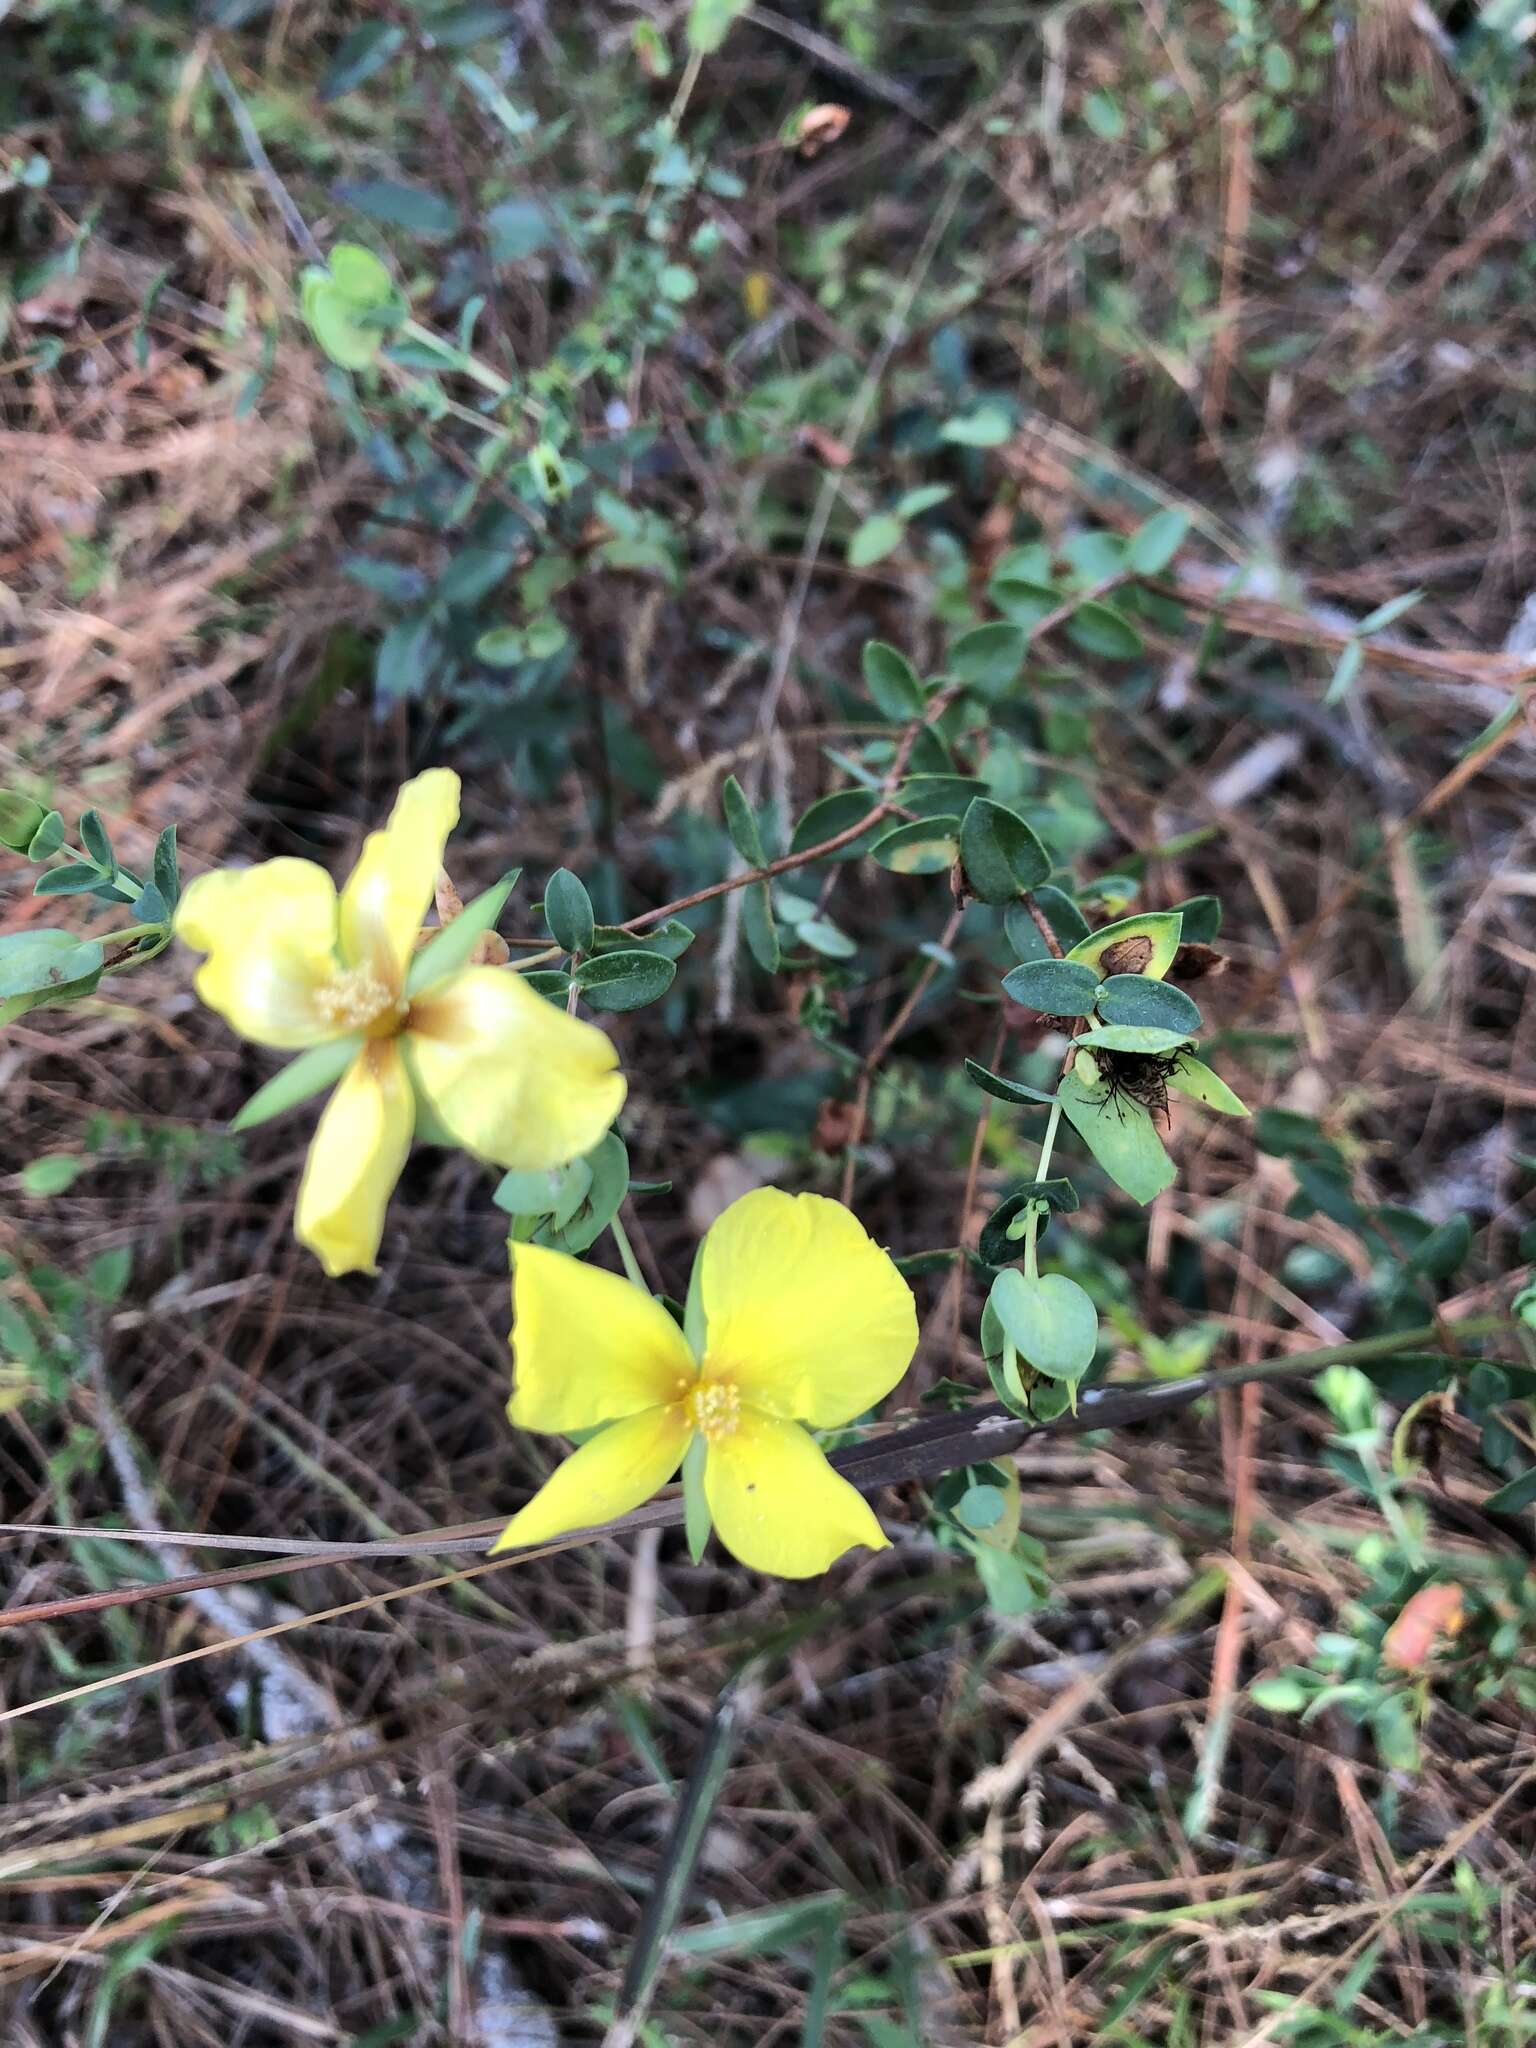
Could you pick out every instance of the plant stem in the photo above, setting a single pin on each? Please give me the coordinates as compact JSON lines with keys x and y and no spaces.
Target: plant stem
{"x":627,"y":1254}
{"x":1042,"y":1169}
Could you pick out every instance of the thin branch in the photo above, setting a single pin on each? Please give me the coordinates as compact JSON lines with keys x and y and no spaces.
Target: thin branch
{"x":924,"y":1450}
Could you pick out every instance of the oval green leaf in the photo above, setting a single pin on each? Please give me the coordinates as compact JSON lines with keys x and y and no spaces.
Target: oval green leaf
{"x":625,"y":981}
{"x":1001,"y":854}
{"x":1163,"y":927}
{"x":1053,"y":1324}
{"x":1138,"y":999}
{"x":1057,"y":988}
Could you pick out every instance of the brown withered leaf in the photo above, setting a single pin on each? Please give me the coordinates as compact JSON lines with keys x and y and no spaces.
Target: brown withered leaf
{"x":818,"y":127}
{"x":834,"y":1125}
{"x":1433,"y":1613}
{"x":1196,"y":963}
{"x":827,"y":449}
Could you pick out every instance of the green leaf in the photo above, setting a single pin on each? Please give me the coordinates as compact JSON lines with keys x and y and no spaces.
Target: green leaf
{"x":1163,"y":928}
{"x":20,"y":820}
{"x":980,"y":1507}
{"x":1004,"y":1089}
{"x":671,"y":939}
{"x":710,"y":22}
{"x":892,"y":682}
{"x":108,"y":1273}
{"x":988,"y":427}
{"x":420,"y":212}
{"x":534,"y":1192}
{"x":333,"y":323}
{"x":625,"y":981}
{"x":920,"y":846}
{"x":1052,"y":1322}
{"x":1099,"y":629}
{"x":1024,"y":935}
{"x":1062,"y":914}
{"x":1147,"y":1038}
{"x":1201,"y":917}
{"x":998,"y":1245}
{"x":1286,"y":1693}
{"x":1011,"y":1589}
{"x":518,"y":229}
{"x":361,"y":53}
{"x":449,"y":948}
{"x":1001,"y":854}
{"x":989,"y":659}
{"x":310,"y":1074}
{"x":1387,"y":614}
{"x":1057,"y":988}
{"x":148,"y":907}
{"x":75,"y":880}
{"x":1195,"y":1079}
{"x":875,"y":538}
{"x":47,"y":839}
{"x":1122,"y":1138}
{"x":1517,"y":1494}
{"x":551,"y":982}
{"x":501,"y":647}
{"x":51,"y":1174}
{"x":824,"y":937}
{"x":761,"y":933}
{"x":936,"y":796}
{"x":922,"y":498}
{"x":741,"y":823}
{"x":1104,"y":115}
{"x":697,"y":1520}
{"x":568,"y":912}
{"x":98,"y":846}
{"x":1444,"y":1250}
{"x":676,"y":283}
{"x":45,"y":966}
{"x":1156,"y":541}
{"x":166,"y":869}
{"x":578,"y":1223}
{"x":1349,"y":664}
{"x":1137,"y":999}
{"x":832,"y":814}
{"x":362,"y":279}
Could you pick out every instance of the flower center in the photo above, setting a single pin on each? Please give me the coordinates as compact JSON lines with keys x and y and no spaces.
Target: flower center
{"x":714,"y":1408}
{"x":356,"y":1000}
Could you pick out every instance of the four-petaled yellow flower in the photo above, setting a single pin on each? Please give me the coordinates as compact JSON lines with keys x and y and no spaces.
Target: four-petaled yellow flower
{"x":805,"y":1320}
{"x":474,"y":1059}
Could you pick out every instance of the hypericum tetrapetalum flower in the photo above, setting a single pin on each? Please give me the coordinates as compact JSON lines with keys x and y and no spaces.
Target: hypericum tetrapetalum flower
{"x":477,"y":1057}
{"x":805,"y":1320}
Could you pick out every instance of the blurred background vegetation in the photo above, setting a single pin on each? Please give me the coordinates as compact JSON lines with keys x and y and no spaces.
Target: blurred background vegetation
{"x":702,"y":345}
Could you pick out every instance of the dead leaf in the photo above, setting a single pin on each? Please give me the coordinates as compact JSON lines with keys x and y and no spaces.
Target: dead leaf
{"x":1432,"y":1612}
{"x":818,"y":127}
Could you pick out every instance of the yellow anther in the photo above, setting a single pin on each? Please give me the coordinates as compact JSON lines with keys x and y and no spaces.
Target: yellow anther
{"x":714,"y":1409}
{"x":356,"y":999}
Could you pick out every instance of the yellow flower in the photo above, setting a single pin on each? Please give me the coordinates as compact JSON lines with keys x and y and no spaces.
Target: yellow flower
{"x":474,"y":1059}
{"x":805,"y":1320}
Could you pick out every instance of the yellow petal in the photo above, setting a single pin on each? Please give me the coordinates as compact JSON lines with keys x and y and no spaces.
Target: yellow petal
{"x":611,"y":1473}
{"x":270,"y":936}
{"x":777,"y":1503}
{"x":588,"y":1347}
{"x":355,"y":1159}
{"x":802,"y":1309}
{"x":508,"y":1076}
{"x":386,"y":898}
